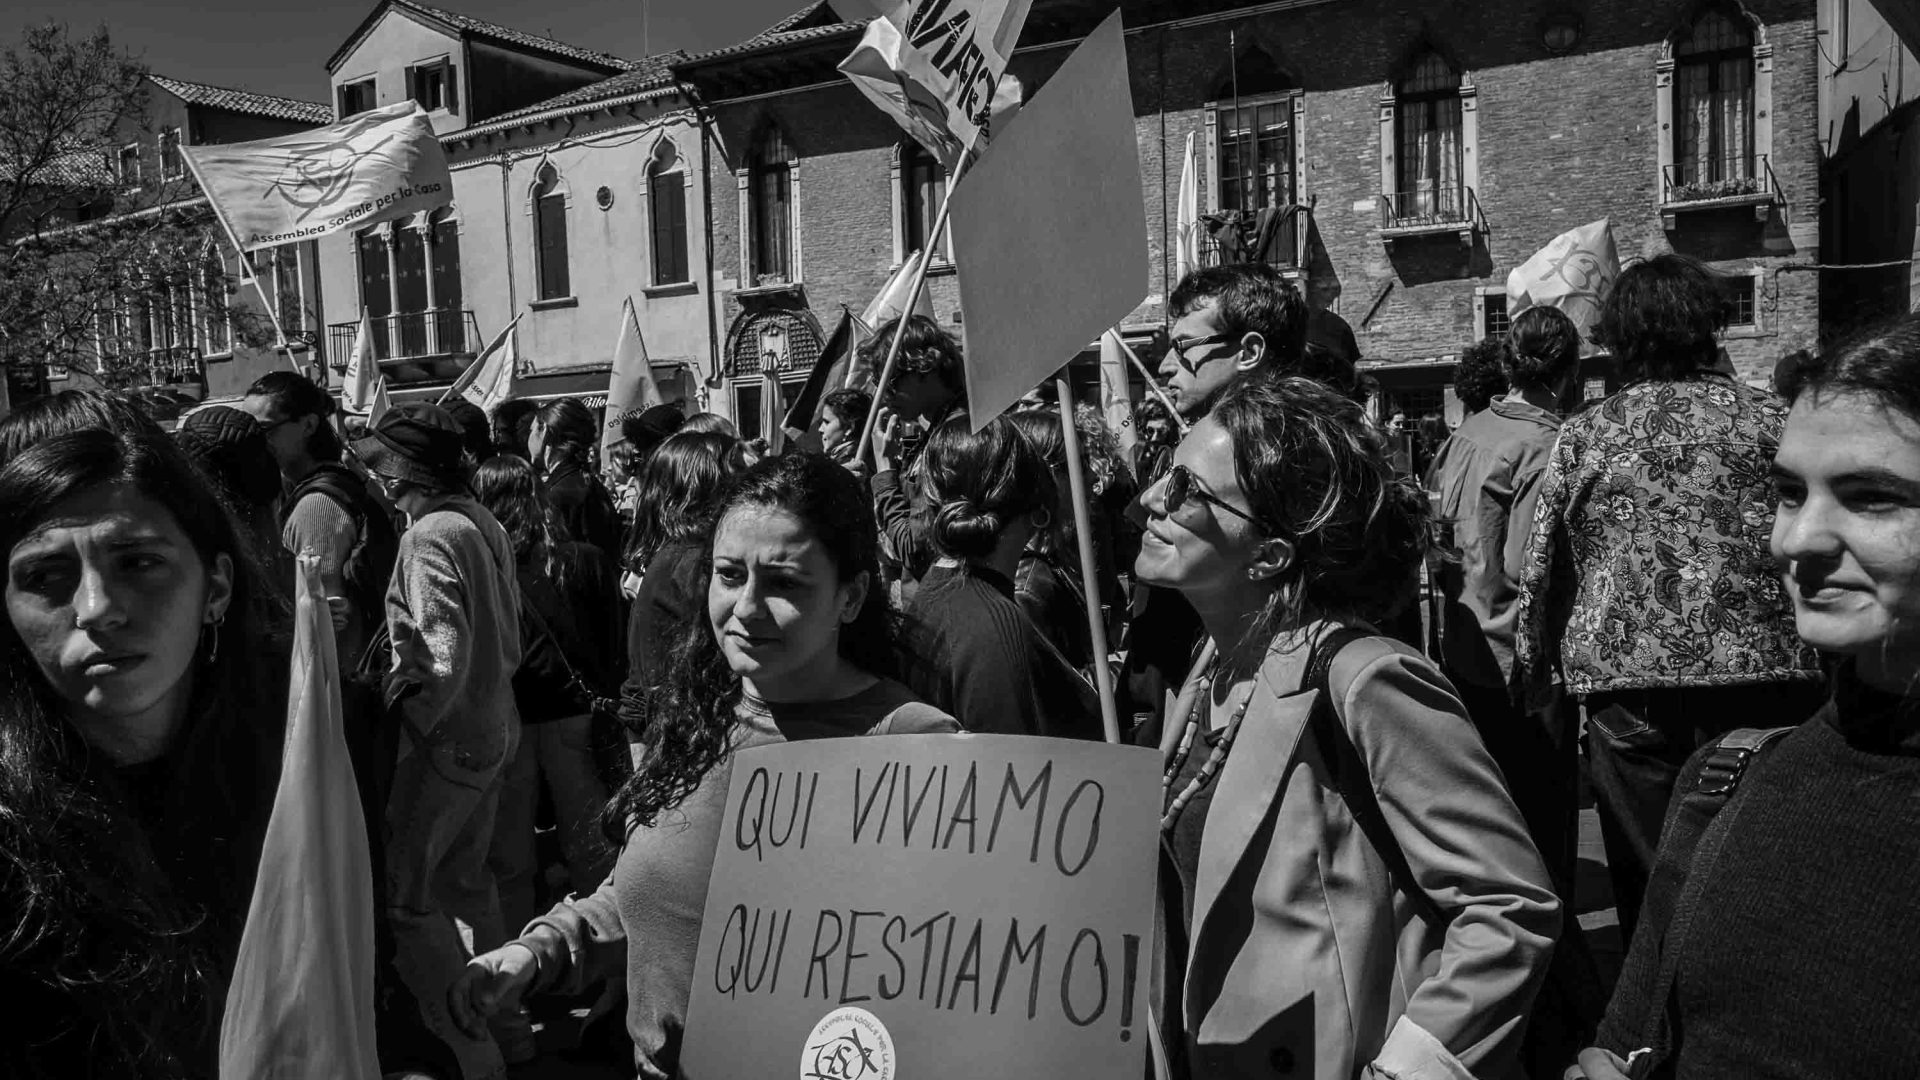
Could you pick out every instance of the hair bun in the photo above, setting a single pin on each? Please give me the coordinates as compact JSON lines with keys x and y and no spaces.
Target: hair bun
{"x":964,"y":531}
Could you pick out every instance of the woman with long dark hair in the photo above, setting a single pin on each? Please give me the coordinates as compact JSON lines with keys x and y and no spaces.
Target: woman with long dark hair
{"x":139,"y":745}
{"x":795,"y":642}
{"x":561,"y":444}
{"x":975,"y":652}
{"x":570,"y":640}
{"x":1346,"y":886}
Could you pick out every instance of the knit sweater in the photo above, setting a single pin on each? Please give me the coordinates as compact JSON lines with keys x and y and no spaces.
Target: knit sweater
{"x":1800,"y":962}
{"x":645,"y":919}
{"x":454,"y":611}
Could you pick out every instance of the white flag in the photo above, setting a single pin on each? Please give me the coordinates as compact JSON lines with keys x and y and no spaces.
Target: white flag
{"x":493,"y":384}
{"x":938,"y":68}
{"x":362,"y":369}
{"x":893,"y":297}
{"x":474,"y":370}
{"x":1187,"y":214}
{"x":374,"y":167}
{"x":1573,"y":273}
{"x":631,"y":386}
{"x":300,"y":1004}
{"x":1116,"y":397}
{"x":378,"y":407}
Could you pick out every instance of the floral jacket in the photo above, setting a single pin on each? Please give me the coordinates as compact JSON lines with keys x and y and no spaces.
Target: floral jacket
{"x":1648,"y":565}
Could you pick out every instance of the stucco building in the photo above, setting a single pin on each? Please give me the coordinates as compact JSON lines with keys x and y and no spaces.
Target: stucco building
{"x":1871,"y":105}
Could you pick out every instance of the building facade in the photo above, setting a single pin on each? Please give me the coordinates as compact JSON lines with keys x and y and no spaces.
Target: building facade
{"x":1871,"y":109}
{"x":578,"y":183}
{"x":1395,"y":161}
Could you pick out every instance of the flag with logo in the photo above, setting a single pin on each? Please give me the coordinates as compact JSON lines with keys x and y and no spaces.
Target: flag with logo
{"x":373,"y":167}
{"x":300,"y":1005}
{"x":631,"y":386}
{"x":493,"y":382}
{"x":481,"y":364}
{"x":938,"y":67}
{"x":362,"y":369}
{"x":1573,"y":273}
{"x":1116,"y":397}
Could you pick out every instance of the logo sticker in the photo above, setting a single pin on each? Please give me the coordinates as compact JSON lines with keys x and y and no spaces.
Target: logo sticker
{"x":848,"y":1044}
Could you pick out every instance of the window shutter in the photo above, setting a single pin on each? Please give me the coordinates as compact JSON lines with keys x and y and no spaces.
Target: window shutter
{"x":448,"y":78}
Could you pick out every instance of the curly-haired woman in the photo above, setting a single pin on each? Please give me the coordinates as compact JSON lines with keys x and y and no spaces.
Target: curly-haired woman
{"x":1346,"y":887}
{"x":795,"y":642}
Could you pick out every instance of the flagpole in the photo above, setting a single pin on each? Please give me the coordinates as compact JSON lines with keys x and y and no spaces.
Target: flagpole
{"x":246,"y":271}
{"x":1153,"y":387}
{"x":1089,"y":580}
{"x":906,"y":312}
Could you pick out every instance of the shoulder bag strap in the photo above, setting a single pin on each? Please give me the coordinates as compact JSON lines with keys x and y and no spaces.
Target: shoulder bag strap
{"x":1350,"y":773}
{"x":1690,"y":848}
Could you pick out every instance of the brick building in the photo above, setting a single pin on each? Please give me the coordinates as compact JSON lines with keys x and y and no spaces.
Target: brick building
{"x":1414,"y":156}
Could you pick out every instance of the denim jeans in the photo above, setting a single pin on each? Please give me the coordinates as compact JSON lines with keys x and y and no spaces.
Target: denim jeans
{"x":1637,"y":741}
{"x":556,"y":755}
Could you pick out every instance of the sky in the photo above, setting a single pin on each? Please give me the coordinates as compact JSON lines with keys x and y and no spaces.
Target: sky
{"x":281,"y":47}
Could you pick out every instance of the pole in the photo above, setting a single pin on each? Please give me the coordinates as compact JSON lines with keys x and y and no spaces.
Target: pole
{"x":1089,"y":581}
{"x":246,"y":271}
{"x":1153,"y":387}
{"x":900,"y":325}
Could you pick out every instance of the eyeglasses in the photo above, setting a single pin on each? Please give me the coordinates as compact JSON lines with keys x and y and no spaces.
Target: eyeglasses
{"x":1180,"y":488}
{"x":1181,"y":345}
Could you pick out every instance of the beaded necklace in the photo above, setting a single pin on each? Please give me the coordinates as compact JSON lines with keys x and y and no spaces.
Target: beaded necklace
{"x":1215,"y":759}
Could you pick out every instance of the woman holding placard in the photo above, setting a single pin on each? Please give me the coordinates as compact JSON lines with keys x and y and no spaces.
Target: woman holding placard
{"x":1347,"y":887}
{"x":796,"y":643}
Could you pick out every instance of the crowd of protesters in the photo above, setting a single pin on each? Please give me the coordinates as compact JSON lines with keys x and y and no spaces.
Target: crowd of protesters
{"x":1697,"y":598}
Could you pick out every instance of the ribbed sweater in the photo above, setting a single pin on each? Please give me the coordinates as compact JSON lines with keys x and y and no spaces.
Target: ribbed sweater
{"x":1802,"y":960}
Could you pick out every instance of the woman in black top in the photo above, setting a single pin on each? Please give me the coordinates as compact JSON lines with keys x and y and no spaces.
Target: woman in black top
{"x":1791,"y":943}
{"x":562,"y":442}
{"x":977,"y":655}
{"x":140,"y":731}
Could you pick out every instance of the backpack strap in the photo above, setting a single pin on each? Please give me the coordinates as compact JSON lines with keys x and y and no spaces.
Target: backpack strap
{"x":1689,"y":847}
{"x":1349,"y":771}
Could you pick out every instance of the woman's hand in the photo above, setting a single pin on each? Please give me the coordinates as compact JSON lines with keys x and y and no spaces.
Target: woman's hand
{"x":886,"y":440}
{"x":491,"y":983}
{"x":1598,"y":1064}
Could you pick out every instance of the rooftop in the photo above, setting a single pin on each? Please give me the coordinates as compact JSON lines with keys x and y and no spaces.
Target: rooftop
{"x":481,"y":28}
{"x":245,"y":101}
{"x":652,"y":73}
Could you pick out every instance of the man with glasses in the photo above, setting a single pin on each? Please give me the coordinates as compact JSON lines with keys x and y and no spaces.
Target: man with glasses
{"x":1230,"y":320}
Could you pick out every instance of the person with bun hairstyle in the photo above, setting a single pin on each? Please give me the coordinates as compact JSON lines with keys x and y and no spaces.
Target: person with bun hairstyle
{"x":1346,"y":888}
{"x":561,"y":442}
{"x":975,"y":652}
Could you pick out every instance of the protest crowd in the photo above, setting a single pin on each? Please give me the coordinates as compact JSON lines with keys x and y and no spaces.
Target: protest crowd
{"x":490,"y":664}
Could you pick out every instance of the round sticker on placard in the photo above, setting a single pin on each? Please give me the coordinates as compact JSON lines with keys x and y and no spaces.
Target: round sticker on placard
{"x":848,"y":1044}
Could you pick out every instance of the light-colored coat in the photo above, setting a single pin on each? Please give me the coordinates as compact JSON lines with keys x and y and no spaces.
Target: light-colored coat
{"x":1304,"y":959}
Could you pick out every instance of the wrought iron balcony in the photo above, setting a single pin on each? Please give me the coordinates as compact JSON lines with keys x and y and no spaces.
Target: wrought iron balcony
{"x":1430,"y":211}
{"x":1230,"y":236}
{"x":1725,"y":183}
{"x":411,"y":345}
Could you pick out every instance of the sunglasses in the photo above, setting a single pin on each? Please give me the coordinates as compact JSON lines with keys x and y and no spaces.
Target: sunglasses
{"x":1180,"y":488}
{"x":1181,"y":345}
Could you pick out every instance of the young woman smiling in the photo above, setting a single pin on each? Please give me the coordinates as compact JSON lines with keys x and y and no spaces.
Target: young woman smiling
{"x":796,"y":643}
{"x":139,"y":741}
{"x":1346,"y":887}
{"x":1804,"y":964}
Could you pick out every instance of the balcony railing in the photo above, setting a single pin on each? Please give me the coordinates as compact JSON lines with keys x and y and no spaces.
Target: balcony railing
{"x":1453,"y":208}
{"x":1739,"y":181}
{"x":1235,"y":236}
{"x":164,"y":365}
{"x":409,"y":336}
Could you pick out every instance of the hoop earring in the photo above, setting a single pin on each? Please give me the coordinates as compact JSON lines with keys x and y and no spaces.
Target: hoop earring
{"x":1042,"y":519}
{"x":210,"y":631}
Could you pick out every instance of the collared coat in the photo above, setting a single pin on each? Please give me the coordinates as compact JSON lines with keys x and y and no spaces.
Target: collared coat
{"x":1305,"y":961}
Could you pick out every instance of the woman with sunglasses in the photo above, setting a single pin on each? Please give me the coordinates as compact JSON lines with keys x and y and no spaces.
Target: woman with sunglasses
{"x":1346,"y":886}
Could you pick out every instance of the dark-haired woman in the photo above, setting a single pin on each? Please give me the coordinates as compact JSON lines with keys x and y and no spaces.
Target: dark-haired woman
{"x":975,"y":653}
{"x":1647,"y":589}
{"x":570,"y":637}
{"x":794,"y":643}
{"x":141,"y":722}
{"x":1047,"y":581}
{"x":561,"y":444}
{"x":1347,"y":889}
{"x":1785,"y":944}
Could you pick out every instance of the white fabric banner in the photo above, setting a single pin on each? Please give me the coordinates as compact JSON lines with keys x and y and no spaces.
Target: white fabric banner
{"x":376,"y":166}
{"x":1573,"y":273}
{"x":631,"y":385}
{"x":937,"y":67}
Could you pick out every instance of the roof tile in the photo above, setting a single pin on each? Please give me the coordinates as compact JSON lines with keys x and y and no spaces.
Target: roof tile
{"x":245,"y":101}
{"x":653,"y":72}
{"x":521,"y":38}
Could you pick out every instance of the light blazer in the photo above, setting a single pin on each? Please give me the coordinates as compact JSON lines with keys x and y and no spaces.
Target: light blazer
{"x":1304,"y":959}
